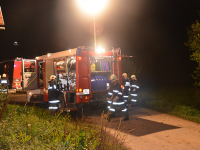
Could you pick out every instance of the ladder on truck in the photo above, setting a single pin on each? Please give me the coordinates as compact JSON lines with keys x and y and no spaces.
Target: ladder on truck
{"x":115,"y":61}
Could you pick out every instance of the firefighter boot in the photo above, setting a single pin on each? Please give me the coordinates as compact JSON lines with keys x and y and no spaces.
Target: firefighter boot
{"x":125,"y":111}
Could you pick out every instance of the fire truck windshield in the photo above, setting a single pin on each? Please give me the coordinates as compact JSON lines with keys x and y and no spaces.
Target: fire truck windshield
{"x":29,"y":66}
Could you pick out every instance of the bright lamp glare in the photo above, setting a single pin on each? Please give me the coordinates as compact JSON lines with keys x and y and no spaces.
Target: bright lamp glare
{"x":100,"y":50}
{"x":92,"y":6}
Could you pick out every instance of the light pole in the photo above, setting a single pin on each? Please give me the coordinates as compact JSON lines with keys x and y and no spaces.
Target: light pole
{"x":95,"y":42}
{"x":93,"y":7}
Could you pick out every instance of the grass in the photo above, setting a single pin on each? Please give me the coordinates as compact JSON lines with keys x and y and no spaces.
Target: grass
{"x":34,"y":128}
{"x":181,"y":102}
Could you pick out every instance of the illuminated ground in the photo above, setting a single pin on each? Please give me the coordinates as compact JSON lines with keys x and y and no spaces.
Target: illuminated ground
{"x":147,"y":129}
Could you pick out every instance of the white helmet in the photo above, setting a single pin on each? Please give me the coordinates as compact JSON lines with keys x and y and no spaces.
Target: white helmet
{"x":52,"y":77}
{"x":4,"y":75}
{"x":133,"y":77}
{"x":124,"y":75}
{"x":113,"y":77}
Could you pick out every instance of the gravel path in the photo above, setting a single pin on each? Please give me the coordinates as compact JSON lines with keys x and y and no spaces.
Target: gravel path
{"x":146,"y":129}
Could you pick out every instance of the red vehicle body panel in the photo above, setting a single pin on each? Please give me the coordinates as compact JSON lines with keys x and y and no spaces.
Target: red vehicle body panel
{"x":44,"y":85}
{"x":17,"y":74}
{"x":37,"y":74}
{"x":45,"y":93}
{"x":83,"y":78}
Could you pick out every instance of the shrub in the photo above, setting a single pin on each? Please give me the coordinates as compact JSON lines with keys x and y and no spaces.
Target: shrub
{"x":4,"y":100}
{"x":181,"y":102}
{"x":34,"y":128}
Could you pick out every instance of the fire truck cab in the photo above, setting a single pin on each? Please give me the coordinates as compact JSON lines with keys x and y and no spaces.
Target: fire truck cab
{"x":82,"y":74}
{"x":21,"y":74}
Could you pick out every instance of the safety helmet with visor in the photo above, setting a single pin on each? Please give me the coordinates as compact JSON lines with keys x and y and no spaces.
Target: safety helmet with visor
{"x":113,"y":77}
{"x":124,"y":75}
{"x":133,"y":77}
{"x":4,"y":75}
{"x":52,"y":77}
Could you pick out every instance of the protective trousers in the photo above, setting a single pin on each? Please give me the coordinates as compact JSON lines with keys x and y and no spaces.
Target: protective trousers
{"x":112,"y":108}
{"x":133,"y":97}
{"x":53,"y":96}
{"x":3,"y":91}
{"x":53,"y":99}
{"x":125,"y":96}
{"x":4,"y":86}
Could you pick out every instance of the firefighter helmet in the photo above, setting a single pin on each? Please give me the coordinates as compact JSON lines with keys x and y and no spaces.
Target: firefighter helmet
{"x":113,"y":77}
{"x":133,"y":77}
{"x":4,"y":75}
{"x":52,"y":77}
{"x":124,"y":75}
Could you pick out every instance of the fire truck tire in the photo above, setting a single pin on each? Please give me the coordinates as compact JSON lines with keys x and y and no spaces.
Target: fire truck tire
{"x":94,"y":105}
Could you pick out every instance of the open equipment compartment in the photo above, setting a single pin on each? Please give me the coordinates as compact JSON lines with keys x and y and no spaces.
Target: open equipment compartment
{"x":101,"y":70}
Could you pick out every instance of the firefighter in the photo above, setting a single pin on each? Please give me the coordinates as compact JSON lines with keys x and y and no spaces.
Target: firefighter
{"x":53,"y":93}
{"x":115,"y":98}
{"x":4,"y":84}
{"x":133,"y":90}
{"x":126,"y":85}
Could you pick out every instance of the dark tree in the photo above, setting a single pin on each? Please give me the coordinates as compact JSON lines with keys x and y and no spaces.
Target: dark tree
{"x":194,"y":46}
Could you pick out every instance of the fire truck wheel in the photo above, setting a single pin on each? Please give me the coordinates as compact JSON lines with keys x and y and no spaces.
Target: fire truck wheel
{"x":94,"y":105}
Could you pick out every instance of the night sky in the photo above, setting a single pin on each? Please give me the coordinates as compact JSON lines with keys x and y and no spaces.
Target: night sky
{"x":154,"y":31}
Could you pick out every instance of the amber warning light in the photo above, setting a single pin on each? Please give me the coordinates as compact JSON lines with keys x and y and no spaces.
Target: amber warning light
{"x":79,"y":58}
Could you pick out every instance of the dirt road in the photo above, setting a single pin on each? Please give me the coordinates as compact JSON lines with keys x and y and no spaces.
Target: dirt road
{"x":151,"y":130}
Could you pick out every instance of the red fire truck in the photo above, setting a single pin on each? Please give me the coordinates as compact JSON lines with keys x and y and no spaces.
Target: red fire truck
{"x":20,"y":72}
{"x":83,"y":76}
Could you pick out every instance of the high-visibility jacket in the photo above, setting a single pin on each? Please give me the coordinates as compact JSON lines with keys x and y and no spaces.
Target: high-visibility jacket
{"x":52,"y":84}
{"x":4,"y":83}
{"x":134,"y":85}
{"x":134,"y":90}
{"x":52,"y":91}
{"x":126,"y":86}
{"x":115,"y":90}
